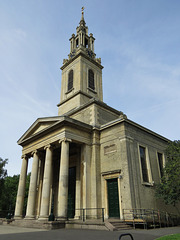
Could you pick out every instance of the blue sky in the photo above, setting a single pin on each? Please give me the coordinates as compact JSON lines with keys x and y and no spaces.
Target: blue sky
{"x":138,"y":42}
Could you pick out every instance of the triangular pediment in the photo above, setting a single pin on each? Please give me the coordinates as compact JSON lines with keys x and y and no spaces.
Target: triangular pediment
{"x":40,"y":125}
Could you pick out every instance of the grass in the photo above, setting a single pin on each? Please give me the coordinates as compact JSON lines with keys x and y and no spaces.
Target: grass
{"x":170,"y":237}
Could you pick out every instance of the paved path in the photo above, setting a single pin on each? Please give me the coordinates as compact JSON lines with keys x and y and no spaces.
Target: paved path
{"x":16,"y":233}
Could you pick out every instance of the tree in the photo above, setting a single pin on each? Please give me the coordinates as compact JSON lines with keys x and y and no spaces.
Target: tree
{"x":169,"y":188}
{"x":8,"y":189}
{"x":10,"y":192}
{"x":3,"y":174}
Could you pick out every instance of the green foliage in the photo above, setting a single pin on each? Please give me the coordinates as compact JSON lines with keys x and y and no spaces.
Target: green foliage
{"x":3,"y":174}
{"x":10,"y":192}
{"x":169,"y":188}
{"x":170,"y":237}
{"x":9,"y":187}
{"x":8,"y":201}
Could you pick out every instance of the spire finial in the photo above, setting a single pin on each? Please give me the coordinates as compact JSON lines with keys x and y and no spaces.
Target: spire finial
{"x":82,"y":9}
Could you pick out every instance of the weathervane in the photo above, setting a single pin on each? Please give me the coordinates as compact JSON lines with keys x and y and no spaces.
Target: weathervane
{"x":82,"y":9}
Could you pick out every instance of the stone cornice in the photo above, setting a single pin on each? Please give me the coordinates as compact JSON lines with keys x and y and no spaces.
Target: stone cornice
{"x":118,"y":171}
{"x":75,"y":94}
{"x":93,"y":101}
{"x":81,"y":53}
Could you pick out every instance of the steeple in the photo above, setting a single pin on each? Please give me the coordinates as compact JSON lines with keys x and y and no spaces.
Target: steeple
{"x":82,"y":41}
{"x":82,"y":22}
{"x":81,"y":72}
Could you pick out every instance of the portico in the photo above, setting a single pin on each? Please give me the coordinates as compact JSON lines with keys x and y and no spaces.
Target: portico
{"x":53,"y":154}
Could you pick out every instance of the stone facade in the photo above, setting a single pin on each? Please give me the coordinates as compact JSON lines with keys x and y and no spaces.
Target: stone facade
{"x":90,"y":154}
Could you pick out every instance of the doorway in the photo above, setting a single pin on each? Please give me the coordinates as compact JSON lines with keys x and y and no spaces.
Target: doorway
{"x":71,"y":192}
{"x":113,"y":198}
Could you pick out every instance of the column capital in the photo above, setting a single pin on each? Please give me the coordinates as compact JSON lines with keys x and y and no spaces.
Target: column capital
{"x":65,"y":140}
{"x":50,"y":146}
{"x":24,"y":156}
{"x":34,"y":152}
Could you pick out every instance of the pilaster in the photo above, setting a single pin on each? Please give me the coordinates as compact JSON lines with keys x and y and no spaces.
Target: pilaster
{"x":85,"y":176}
{"x":95,"y":173}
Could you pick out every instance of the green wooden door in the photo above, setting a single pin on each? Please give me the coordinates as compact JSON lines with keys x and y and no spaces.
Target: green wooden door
{"x":113,"y":198}
{"x":71,"y":192}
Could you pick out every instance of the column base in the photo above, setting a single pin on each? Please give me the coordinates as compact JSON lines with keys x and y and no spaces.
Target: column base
{"x":61,"y":218}
{"x":43,"y":218}
{"x":31,"y":217}
{"x":20,"y":217}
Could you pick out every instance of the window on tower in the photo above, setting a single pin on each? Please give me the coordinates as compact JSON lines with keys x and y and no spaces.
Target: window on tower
{"x":70,"y":80}
{"x":91,"y":79}
{"x":86,"y":42}
{"x":77,"y":43}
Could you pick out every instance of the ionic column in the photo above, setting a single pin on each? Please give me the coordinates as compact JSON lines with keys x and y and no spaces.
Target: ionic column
{"x":63,"y":179}
{"x":30,"y":213}
{"x":21,"y":189}
{"x":46,"y":189}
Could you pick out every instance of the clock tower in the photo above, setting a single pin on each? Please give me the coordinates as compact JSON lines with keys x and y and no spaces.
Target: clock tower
{"x":81,"y":72}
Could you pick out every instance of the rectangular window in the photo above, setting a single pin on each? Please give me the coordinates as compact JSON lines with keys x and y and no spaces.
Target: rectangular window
{"x":160,"y":161}
{"x":143,"y":159}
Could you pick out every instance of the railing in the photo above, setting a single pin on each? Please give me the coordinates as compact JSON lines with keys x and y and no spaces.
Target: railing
{"x":81,"y":214}
{"x":89,"y":213}
{"x":150,"y":217}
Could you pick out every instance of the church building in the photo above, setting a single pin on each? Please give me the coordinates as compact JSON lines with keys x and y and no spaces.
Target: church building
{"x":90,"y":157}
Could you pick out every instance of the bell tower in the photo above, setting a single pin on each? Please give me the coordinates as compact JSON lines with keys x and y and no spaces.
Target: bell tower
{"x":81,"y":72}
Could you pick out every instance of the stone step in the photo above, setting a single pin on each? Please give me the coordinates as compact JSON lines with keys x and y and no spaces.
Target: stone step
{"x":119,"y":225}
{"x":39,"y":224}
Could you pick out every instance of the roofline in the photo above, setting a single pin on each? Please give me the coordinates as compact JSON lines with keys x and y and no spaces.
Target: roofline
{"x":121,"y":120}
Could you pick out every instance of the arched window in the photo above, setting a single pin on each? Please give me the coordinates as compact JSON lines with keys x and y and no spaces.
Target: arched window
{"x":91,"y":79}
{"x":70,"y":80}
{"x":77,"y":42}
